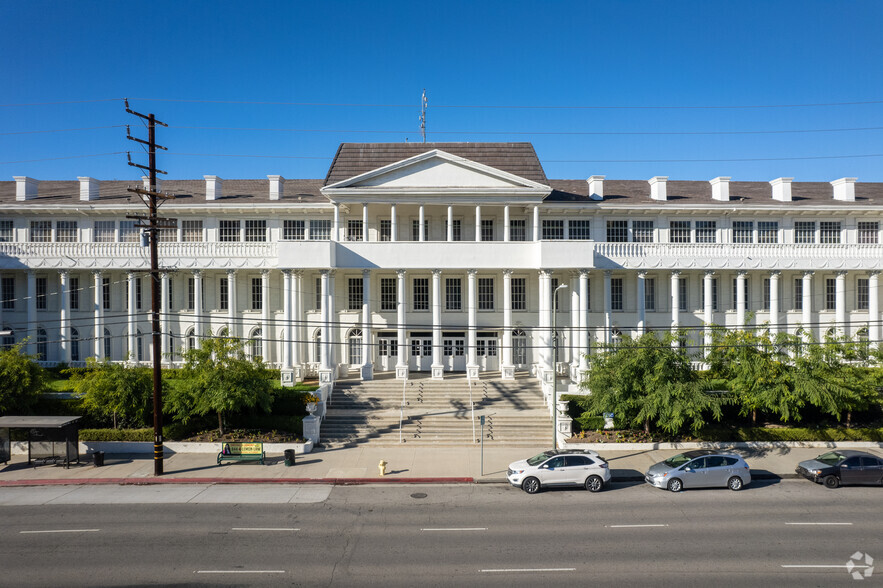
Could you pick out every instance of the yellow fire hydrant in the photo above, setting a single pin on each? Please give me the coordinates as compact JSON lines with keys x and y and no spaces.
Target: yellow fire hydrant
{"x":382,"y":467}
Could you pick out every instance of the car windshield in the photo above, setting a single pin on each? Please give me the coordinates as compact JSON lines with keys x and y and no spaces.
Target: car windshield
{"x":830,"y":458}
{"x":538,"y":459}
{"x":677,"y":460}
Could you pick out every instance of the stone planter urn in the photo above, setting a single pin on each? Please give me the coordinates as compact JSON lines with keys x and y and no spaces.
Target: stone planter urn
{"x":311,"y":407}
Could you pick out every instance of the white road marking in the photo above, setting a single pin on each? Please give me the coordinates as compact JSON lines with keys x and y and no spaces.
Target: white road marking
{"x":62,"y":531}
{"x":631,"y":526}
{"x":822,"y":566}
{"x":264,"y":529}
{"x":818,"y":523}
{"x":240,"y":571}
{"x":458,"y":529}
{"x":513,"y":570}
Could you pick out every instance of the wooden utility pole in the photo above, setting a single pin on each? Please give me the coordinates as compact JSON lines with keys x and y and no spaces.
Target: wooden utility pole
{"x":151,"y":198}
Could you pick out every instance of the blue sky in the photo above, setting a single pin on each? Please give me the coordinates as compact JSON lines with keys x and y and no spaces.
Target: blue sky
{"x":376,"y":57}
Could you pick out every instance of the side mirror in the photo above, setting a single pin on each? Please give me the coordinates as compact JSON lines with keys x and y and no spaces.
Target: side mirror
{"x":545,"y":466}
{"x":688,"y":469}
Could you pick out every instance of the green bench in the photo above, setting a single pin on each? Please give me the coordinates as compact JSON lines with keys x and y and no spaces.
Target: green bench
{"x":241,"y":451}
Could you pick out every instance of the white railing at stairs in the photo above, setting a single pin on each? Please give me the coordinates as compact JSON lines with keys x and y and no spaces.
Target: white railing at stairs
{"x":402,"y":409}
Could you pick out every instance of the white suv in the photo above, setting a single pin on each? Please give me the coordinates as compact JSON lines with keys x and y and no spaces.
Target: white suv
{"x":556,"y":467}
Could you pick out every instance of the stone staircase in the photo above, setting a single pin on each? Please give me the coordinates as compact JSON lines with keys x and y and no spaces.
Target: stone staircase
{"x":436,"y":412}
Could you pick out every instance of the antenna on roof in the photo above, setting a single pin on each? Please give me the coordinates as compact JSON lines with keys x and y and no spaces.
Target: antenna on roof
{"x":423,"y":104}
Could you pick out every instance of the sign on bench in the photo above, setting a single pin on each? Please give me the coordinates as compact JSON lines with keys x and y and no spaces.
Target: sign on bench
{"x":241,"y":451}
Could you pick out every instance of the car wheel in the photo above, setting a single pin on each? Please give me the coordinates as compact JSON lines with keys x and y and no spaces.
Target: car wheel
{"x":734,"y":483}
{"x":594,"y":484}
{"x":531,"y":485}
{"x":675,"y":485}
{"x":831,"y":482}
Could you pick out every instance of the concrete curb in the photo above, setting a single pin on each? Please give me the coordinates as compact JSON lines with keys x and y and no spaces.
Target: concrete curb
{"x":731,"y":445}
{"x":209,"y":481}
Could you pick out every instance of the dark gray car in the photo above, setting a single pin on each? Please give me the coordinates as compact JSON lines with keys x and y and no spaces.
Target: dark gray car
{"x":843,"y":466}
{"x":702,"y":468}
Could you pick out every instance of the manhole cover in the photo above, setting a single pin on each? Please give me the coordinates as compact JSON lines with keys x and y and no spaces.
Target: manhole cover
{"x":418,"y":495}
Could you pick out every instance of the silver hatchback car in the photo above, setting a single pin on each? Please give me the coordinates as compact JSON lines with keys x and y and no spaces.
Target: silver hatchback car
{"x":700,"y":469}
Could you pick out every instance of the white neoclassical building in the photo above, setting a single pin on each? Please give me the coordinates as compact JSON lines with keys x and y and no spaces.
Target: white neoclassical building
{"x":436,"y":258}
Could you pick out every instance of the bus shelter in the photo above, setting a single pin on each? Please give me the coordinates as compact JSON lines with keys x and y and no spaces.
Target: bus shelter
{"x":51,"y":439}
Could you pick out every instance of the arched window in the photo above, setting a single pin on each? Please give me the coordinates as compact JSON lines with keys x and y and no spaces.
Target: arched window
{"x":224,"y":332}
{"x":190,"y":338}
{"x":75,"y":345}
{"x":355,"y":346}
{"x":42,"y":346}
{"x":107,"y":354}
{"x":862,"y":340}
{"x":139,"y":345}
{"x":8,"y":340}
{"x":519,"y":347}
{"x":317,"y":346}
{"x":256,"y":344}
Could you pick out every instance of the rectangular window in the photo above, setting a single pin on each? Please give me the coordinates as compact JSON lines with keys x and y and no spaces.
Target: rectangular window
{"x":191,"y":293}
{"x":385,"y":229}
{"x":682,"y":294}
{"x":580,"y":230}
{"x":256,"y":231}
{"x":41,"y":231}
{"x":320,"y":230}
{"x":318,"y":293}
{"x":862,"y":294}
{"x":714,"y":296}
{"x":650,"y":294}
{"x":456,"y":233}
{"x":767,"y":285}
{"x":680,"y":232}
{"x":743,"y":232}
{"x":229,"y":230}
{"x":868,"y":231}
{"x":485,"y":293}
{"x":42,"y":287}
{"x":129,"y":233}
{"x":617,"y":231}
{"x":167,"y":235}
{"x":616,"y":294}
{"x":6,"y":234}
{"x":354,"y":293}
{"x":829,"y":232}
{"x":519,"y":294}
{"x":257,"y":294}
{"x":421,"y":294}
{"x":556,"y":300}
{"x":830,"y":294}
{"x":171,"y":294}
{"x":517,"y":229}
{"x":223,"y":294}
{"x":804,"y":232}
{"x":388,"y":295}
{"x":104,"y":232}
{"x":105,"y":292}
{"x":706,"y":231}
{"x":487,"y":229}
{"x":293,"y":230}
{"x":768,"y":232}
{"x":74,"y":289}
{"x":354,"y":230}
{"x":798,"y":294}
{"x":736,"y":294}
{"x":191,"y":231}
{"x":7,"y":285}
{"x":138,"y":293}
{"x":415,"y":230}
{"x":453,"y":294}
{"x":552,"y":229}
{"x":643,"y":231}
{"x":66,"y":232}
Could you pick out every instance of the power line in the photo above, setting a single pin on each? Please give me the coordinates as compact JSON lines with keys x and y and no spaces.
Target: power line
{"x":62,"y":130}
{"x":63,"y":157}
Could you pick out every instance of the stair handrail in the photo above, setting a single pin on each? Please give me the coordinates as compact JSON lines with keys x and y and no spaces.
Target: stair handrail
{"x":402,"y":410}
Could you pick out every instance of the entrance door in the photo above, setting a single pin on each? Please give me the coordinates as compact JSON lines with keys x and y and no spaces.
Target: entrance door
{"x":388,"y":352}
{"x":519,"y":349}
{"x":454,"y":352}
{"x":421,"y":354}
{"x":486,"y":352}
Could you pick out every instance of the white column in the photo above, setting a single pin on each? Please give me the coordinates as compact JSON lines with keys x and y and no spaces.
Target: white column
{"x":545,"y":321}
{"x":133,"y":348}
{"x":740,"y":299}
{"x":421,"y":229}
{"x":333,"y":324}
{"x":197,"y":305}
{"x":364,"y":222}
{"x":324,"y":360}
{"x":286,"y":319}
{"x":393,"y":223}
{"x":806,"y":317}
{"x":478,"y":223}
{"x":506,"y":234}
{"x":64,"y":316}
{"x":573,"y":343}
{"x":401,"y":362}
{"x":536,"y":223}
{"x":437,"y":368}
{"x":335,"y":227}
{"x":608,"y":308}
{"x":874,"y":309}
{"x":472,"y":317}
{"x":642,"y":300}
{"x":675,"y":300}
{"x":267,"y":328}
{"x":450,"y":235}
{"x":508,"y":368}
{"x":232,"y":327}
{"x":297,"y":297}
{"x":774,"y":304}
{"x":367,"y":370}
{"x":30,"y":330}
{"x":840,"y":306}
{"x":164,"y":307}
{"x":98,"y":313}
{"x":708,"y":289}
{"x":583,"y":320}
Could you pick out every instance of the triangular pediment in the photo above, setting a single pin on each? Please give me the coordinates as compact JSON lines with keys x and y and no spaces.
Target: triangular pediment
{"x":436,"y":170}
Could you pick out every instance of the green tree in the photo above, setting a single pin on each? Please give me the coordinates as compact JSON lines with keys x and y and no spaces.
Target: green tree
{"x":22,"y":379}
{"x":219,"y":378}
{"x":114,"y":390}
{"x":648,"y":382}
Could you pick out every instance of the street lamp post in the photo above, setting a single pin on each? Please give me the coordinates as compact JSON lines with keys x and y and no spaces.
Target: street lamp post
{"x":555,"y":365}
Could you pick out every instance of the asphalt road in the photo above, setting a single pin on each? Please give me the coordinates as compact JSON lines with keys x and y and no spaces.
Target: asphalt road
{"x":447,"y":536}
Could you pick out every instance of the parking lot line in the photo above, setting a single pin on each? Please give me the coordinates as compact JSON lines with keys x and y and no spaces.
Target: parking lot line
{"x":61,"y":531}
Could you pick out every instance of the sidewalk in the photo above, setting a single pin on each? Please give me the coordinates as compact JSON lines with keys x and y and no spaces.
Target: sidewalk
{"x":359,"y":465}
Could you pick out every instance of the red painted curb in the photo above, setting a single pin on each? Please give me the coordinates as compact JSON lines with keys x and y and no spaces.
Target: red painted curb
{"x":154,"y":481}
